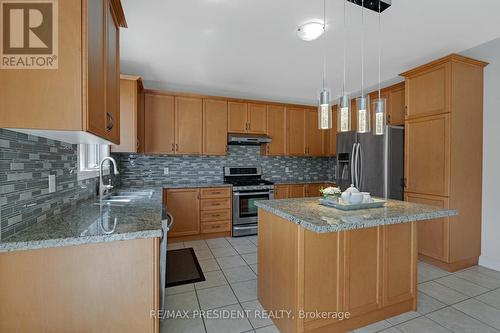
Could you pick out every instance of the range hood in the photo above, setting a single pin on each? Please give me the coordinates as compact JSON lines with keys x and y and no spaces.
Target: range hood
{"x":248,"y":139}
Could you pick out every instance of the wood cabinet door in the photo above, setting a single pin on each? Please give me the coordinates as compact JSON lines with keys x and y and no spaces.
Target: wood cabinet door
{"x":141,"y":143}
{"x":330,"y":136}
{"x":159,"y":124}
{"x":362,"y":270}
{"x":257,"y":118}
{"x":354,"y":115}
{"x":427,"y":155}
{"x":184,"y":205}
{"x":276,"y":129}
{"x":96,"y":67}
{"x":112,"y":77}
{"x":314,"y":136}
{"x":296,"y":131}
{"x":312,"y":190}
{"x":396,"y":106}
{"x":237,"y":117}
{"x":297,"y":191}
{"x":433,"y":235}
{"x":281,"y":191}
{"x":188,"y":125}
{"x":428,"y":92}
{"x":399,"y":263}
{"x":214,"y":127}
{"x":128,"y":117}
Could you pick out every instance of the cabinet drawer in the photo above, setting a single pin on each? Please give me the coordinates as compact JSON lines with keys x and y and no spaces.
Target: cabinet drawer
{"x":216,"y":215}
{"x":215,"y":204}
{"x":213,"y":193}
{"x":211,"y":227}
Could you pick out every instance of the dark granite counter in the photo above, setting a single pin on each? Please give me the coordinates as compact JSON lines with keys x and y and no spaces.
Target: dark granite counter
{"x":308,"y":213}
{"x":91,"y":223}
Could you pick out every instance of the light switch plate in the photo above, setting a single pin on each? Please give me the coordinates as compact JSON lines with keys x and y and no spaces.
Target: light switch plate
{"x":52,"y":183}
{"x":166,"y":171}
{"x":287,"y":169}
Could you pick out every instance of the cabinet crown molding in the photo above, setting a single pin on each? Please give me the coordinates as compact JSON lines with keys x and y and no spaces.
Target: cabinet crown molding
{"x":449,"y":58}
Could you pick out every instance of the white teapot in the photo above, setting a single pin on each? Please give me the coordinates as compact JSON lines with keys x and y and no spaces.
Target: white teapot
{"x":352,"y":196}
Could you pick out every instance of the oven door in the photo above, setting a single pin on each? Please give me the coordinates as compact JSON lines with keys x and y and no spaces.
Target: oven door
{"x":244,"y":208}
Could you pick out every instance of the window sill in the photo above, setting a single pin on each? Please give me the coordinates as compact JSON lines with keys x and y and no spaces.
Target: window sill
{"x":88,"y":174}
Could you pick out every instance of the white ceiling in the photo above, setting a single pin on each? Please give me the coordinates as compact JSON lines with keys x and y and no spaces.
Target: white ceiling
{"x":249,"y":48}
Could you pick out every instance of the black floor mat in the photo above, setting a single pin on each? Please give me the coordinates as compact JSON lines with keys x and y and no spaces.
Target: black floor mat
{"x":183,"y":268}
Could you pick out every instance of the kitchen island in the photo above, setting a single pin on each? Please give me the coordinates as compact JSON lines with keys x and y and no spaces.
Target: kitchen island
{"x":337,"y":270}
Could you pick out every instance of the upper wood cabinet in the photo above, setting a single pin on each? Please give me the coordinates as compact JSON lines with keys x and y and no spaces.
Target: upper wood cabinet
{"x":159,"y":125}
{"x":257,"y":118}
{"x":428,"y":91}
{"x":131,"y":115}
{"x":188,"y":125}
{"x":276,"y":129}
{"x":330,"y":136}
{"x":214,"y":127}
{"x":314,"y":136}
{"x":296,"y":131}
{"x":396,"y":105}
{"x":237,"y":117}
{"x":82,"y":94}
{"x":247,"y":118}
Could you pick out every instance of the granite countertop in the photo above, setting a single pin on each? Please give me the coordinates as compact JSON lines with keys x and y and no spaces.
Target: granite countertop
{"x":87,"y":222}
{"x":308,"y":213}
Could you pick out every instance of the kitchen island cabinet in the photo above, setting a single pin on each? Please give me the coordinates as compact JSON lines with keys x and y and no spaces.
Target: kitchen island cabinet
{"x":334,"y":270}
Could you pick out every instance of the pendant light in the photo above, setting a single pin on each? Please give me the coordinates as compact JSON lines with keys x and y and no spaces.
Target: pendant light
{"x":379,"y":104}
{"x":362,"y":105}
{"x":324,"y":107}
{"x":344,"y":108}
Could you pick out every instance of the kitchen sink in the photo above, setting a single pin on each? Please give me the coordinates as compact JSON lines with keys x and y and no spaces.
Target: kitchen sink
{"x":125,"y":197}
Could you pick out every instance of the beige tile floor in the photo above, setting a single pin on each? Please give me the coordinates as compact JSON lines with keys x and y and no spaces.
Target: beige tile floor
{"x":463,"y":302}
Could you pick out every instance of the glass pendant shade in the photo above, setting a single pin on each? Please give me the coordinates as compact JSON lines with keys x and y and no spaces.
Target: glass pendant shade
{"x":344,"y":114}
{"x":379,"y":110}
{"x":363,"y":110}
{"x":324,"y":110}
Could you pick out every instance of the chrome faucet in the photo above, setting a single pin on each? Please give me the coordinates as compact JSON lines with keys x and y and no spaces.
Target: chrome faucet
{"x":104,"y":189}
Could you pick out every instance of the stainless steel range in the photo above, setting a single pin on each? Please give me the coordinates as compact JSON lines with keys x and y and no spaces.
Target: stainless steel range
{"x":248,"y":187}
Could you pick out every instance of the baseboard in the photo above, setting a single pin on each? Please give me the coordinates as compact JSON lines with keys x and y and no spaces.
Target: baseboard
{"x":489,"y":263}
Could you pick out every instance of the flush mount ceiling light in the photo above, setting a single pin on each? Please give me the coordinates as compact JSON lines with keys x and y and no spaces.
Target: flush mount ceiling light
{"x":310,"y":30}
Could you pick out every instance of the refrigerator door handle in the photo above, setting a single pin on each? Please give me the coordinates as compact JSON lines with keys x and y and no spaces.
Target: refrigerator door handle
{"x":353,"y":162}
{"x":360,"y":162}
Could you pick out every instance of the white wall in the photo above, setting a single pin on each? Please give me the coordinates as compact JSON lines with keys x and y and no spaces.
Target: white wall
{"x":490,"y":52}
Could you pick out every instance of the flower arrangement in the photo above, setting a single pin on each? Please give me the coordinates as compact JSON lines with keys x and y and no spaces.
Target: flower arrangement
{"x":334,"y":192}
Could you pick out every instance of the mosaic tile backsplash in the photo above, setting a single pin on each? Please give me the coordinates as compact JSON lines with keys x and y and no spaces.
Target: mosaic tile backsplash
{"x":136,"y":169}
{"x":25,"y":163}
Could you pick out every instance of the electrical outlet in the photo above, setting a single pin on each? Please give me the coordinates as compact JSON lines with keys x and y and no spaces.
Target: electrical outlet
{"x":52,"y":183}
{"x":287,"y":169}
{"x":166,"y":171}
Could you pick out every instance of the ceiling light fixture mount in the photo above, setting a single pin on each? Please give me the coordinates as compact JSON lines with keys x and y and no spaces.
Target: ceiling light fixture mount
{"x":311,"y":30}
{"x":376,"y":5}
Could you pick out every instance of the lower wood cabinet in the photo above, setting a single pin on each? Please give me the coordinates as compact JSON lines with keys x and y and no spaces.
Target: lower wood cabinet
{"x":433,"y":237}
{"x":184,"y":205}
{"x":285,"y":191}
{"x":80,"y":288}
{"x":199,"y":212}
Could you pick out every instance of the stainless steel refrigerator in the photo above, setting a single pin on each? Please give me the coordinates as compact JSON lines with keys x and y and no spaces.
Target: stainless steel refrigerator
{"x":372,"y":163}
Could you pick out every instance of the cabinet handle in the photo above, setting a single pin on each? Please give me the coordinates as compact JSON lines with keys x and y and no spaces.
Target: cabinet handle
{"x":173,"y":147}
{"x":109,"y":122}
{"x":267,"y":148}
{"x":176,"y":147}
{"x":389,"y":119}
{"x":138,"y":144}
{"x":406,"y":110}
